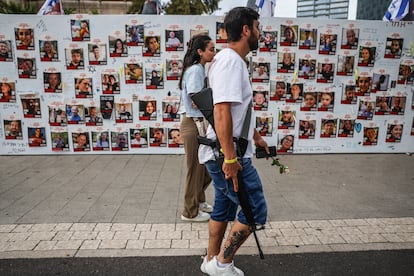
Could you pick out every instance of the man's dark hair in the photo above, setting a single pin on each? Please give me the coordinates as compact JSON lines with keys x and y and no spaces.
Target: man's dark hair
{"x":235,"y":20}
{"x":76,"y":51}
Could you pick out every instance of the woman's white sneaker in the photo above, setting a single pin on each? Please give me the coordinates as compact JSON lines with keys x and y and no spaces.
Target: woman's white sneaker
{"x":205,"y":207}
{"x":201,"y":217}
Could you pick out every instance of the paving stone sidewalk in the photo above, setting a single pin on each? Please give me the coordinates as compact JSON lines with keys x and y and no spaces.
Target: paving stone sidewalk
{"x":122,"y":239}
{"x":130,"y":205}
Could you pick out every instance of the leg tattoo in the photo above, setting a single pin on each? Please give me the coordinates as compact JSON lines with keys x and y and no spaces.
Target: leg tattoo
{"x":235,"y":242}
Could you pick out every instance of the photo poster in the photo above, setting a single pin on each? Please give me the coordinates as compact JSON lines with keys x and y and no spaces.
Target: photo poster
{"x":366,"y":67}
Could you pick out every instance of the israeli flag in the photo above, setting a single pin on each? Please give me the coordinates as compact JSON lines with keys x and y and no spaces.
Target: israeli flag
{"x":266,"y":7}
{"x":51,"y":7}
{"x":397,"y":10}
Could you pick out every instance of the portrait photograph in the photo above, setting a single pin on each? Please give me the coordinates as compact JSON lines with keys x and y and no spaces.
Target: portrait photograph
{"x":49,"y":50}
{"x":81,"y":142}
{"x":6,"y":51}
{"x":80,"y":30}
{"x":8,"y":92}
{"x":350,"y":38}
{"x":52,"y":82}
{"x":307,"y":38}
{"x":57,"y":115}
{"x":60,"y":140}
{"x":134,"y":35}
{"x":36,"y":136}
{"x":138,"y":137}
{"x":119,"y":141}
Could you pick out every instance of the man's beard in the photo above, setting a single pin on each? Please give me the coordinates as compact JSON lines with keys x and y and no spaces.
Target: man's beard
{"x":253,"y":43}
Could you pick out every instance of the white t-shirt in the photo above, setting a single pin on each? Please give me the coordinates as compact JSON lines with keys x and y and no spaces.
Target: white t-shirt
{"x":229,"y":80}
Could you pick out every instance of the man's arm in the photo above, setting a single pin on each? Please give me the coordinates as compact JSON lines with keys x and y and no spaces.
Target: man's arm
{"x":259,"y":141}
{"x":224,"y":129}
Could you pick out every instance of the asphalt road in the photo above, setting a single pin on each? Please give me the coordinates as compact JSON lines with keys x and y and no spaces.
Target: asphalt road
{"x":391,"y":262}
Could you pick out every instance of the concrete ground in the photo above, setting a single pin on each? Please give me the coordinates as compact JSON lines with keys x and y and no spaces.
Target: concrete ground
{"x":129,"y":205}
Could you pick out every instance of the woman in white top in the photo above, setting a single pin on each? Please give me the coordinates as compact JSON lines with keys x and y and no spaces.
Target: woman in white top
{"x":200,"y":51}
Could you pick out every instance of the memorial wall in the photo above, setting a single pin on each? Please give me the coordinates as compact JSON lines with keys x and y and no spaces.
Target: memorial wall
{"x":105,"y":84}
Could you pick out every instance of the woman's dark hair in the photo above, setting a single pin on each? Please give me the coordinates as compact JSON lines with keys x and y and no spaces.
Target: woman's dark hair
{"x":191,"y":56}
{"x":235,"y":20}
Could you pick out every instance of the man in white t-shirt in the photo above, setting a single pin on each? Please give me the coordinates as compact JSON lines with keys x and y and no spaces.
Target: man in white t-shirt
{"x":232,"y":96}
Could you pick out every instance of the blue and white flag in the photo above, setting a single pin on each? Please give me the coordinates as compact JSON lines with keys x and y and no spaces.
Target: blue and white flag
{"x":266,"y":7}
{"x":51,"y":7}
{"x":397,"y":10}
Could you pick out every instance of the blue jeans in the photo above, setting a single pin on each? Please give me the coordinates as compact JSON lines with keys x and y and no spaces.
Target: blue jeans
{"x":226,"y":200}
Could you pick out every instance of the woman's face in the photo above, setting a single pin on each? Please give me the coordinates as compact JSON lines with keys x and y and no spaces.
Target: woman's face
{"x":118,"y":44}
{"x":365,"y":55}
{"x":287,"y":142}
{"x":150,"y":108}
{"x":259,"y":98}
{"x":287,"y":58}
{"x":153,"y":45}
{"x":5,"y":89}
{"x":47,"y":47}
{"x":53,"y":80}
{"x":286,"y":116}
{"x":310,"y":100}
{"x":289,"y":34}
{"x":326,"y":100}
{"x":396,"y":132}
{"x":295,"y":90}
{"x":348,"y":125}
{"x":364,"y":83}
{"x":25,"y":36}
{"x":84,"y":85}
{"x":209,"y":53}
{"x":168,"y":109}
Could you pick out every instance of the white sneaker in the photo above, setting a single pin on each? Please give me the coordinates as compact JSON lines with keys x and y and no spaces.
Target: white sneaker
{"x":211,"y":268}
{"x":203,"y":265}
{"x":205,"y":207}
{"x":202,"y":216}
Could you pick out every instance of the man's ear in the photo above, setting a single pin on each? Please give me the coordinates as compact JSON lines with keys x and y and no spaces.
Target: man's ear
{"x":246,"y":30}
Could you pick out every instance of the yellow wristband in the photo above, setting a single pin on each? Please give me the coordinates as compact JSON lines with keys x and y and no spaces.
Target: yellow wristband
{"x":230,"y":161}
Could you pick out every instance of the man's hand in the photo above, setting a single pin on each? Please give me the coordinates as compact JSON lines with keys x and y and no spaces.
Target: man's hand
{"x":231,"y":171}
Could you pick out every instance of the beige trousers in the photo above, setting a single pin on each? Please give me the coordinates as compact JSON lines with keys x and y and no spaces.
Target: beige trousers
{"x":197,"y":179}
